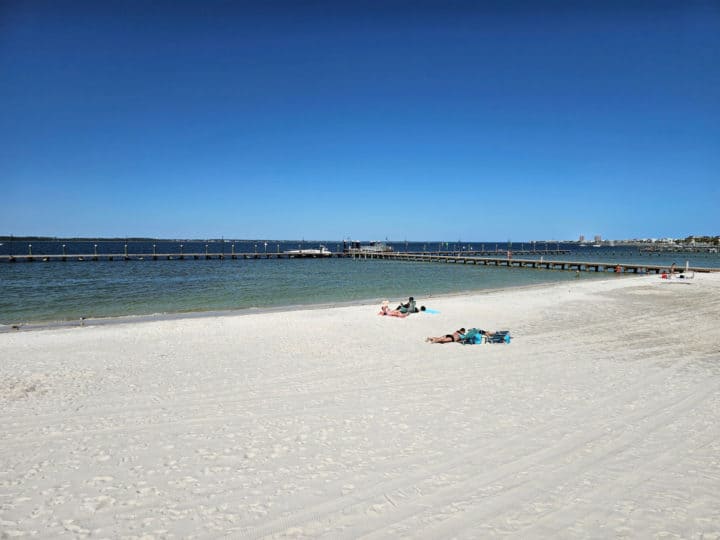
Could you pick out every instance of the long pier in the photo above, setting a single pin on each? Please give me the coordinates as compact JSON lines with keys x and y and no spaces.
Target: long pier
{"x":160,"y":257}
{"x":509,"y":260}
{"x":541,"y":264}
{"x":680,"y":249}
{"x":206,"y":255}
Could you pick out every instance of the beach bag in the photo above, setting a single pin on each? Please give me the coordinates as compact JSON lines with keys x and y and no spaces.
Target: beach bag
{"x":473,"y":336}
{"x":501,"y":336}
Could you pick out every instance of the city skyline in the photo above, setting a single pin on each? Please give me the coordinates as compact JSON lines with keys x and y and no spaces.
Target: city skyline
{"x":229,"y":239}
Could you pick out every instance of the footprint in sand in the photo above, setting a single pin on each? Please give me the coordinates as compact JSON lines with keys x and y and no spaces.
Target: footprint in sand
{"x":101,"y":480}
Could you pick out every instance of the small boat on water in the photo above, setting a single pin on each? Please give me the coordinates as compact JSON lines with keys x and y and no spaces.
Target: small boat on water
{"x":312,"y":253}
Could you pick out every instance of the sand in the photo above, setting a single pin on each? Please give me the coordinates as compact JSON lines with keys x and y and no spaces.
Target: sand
{"x":599,"y":420}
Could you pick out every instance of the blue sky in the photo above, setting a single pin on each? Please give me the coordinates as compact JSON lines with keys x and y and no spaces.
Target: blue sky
{"x":323,"y":120}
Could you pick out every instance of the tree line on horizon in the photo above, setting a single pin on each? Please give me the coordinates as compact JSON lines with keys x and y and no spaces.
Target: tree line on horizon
{"x":715,"y":240}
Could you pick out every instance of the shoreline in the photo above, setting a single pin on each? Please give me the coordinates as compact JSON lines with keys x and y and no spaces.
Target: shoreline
{"x":33,"y":326}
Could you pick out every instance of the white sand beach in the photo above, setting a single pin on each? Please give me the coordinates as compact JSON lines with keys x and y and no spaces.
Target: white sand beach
{"x":600,"y":420}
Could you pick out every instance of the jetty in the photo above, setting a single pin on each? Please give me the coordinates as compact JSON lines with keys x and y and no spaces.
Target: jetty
{"x":499,"y":259}
{"x":162,"y":256}
{"x":510,"y":261}
{"x":233,"y":255}
{"x":680,"y":249}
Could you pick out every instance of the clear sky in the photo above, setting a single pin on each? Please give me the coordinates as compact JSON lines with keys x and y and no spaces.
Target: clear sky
{"x":415,"y":120}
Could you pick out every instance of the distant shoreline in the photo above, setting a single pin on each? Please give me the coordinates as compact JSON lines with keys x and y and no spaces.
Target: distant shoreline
{"x":604,"y":243}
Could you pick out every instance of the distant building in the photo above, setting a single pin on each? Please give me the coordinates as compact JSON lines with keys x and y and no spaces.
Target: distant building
{"x":598,"y":238}
{"x":582,"y":238}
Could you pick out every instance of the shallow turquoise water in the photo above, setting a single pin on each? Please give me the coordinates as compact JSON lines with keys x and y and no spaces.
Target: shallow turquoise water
{"x":64,"y":291}
{"x":43,"y":292}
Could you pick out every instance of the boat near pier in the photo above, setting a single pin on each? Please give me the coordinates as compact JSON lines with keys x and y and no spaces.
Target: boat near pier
{"x":312,"y":253}
{"x":372,"y":247}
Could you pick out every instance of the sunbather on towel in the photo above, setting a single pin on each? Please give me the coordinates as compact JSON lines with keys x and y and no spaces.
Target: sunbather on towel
{"x":407,"y":307}
{"x":447,"y":338}
{"x":385,"y":310}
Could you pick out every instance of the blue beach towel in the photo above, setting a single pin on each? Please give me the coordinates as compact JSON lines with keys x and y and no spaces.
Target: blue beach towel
{"x":433,"y":311}
{"x":475,"y":336}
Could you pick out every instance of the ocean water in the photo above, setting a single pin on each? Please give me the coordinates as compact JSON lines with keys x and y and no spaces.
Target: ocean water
{"x":65,"y":291}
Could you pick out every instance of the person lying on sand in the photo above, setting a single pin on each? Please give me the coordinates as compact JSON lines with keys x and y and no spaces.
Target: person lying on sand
{"x":385,"y":310}
{"x":447,"y":338}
